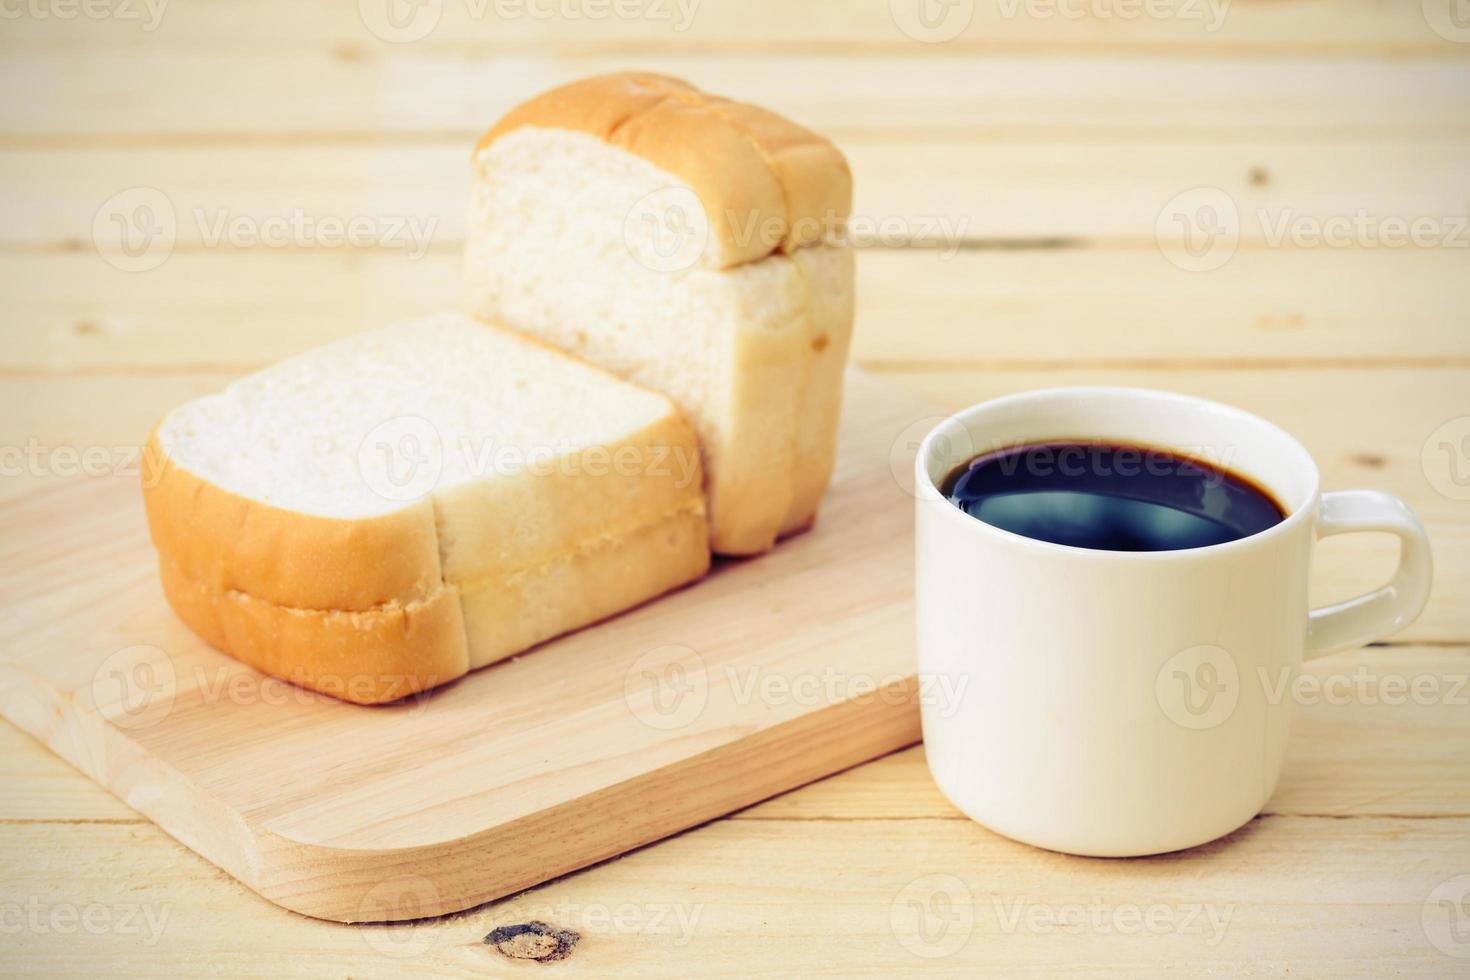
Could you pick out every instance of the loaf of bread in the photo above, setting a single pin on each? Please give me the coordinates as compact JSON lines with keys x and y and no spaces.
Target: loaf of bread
{"x":689,"y":244}
{"x":378,"y":516}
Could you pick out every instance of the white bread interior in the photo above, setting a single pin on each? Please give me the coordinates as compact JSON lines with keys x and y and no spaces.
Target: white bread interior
{"x":747,"y":329}
{"x":382,"y":514}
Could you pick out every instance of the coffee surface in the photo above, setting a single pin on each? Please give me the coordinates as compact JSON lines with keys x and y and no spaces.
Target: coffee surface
{"x":1111,"y":496}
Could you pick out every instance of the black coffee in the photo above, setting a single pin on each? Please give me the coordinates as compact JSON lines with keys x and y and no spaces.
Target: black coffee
{"x":1110,"y":497}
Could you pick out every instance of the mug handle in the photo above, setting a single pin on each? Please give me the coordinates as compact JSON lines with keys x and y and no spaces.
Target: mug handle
{"x":1370,"y":617}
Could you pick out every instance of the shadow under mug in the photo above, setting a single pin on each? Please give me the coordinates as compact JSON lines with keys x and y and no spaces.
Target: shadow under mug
{"x":1124,"y":703}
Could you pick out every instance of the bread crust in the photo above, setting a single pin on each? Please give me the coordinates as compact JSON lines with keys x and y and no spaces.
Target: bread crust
{"x":368,"y":657}
{"x":767,"y":184}
{"x":379,"y":655}
{"x":231,"y":543}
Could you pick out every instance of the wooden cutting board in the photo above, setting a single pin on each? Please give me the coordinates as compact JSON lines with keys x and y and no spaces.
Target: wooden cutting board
{"x":770,"y":673}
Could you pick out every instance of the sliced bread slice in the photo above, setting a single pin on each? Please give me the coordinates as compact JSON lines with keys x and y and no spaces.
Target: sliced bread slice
{"x":382,"y":514}
{"x":689,"y":244}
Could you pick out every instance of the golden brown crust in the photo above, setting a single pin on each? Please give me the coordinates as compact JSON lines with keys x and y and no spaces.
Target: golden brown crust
{"x":369,"y":657}
{"x":766,"y":183}
{"x":232,"y":543}
{"x":380,"y":655}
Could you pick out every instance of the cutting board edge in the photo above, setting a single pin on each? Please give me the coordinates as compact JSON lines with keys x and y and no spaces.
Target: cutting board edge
{"x":84,"y":739}
{"x":353,"y":885}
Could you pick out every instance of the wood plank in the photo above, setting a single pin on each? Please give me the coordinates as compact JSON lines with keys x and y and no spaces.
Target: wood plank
{"x":1289,"y":26}
{"x":927,"y":189}
{"x":53,"y":426}
{"x":1299,"y":895}
{"x":1379,"y":732}
{"x":688,"y":905}
{"x":117,"y":95}
{"x":41,"y":788}
{"x":1366,"y":428}
{"x":1131,"y":307}
{"x":917,"y":307}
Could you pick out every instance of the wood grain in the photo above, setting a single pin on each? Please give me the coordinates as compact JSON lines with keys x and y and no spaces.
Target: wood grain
{"x":993,"y":308}
{"x":129,"y":94}
{"x":935,"y":190}
{"x":1320,"y":897}
{"x":1370,"y":816}
{"x":1378,"y":732}
{"x":1281,"y":28}
{"x":1344,"y":895}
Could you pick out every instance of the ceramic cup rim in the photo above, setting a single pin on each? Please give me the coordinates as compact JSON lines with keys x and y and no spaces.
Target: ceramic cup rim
{"x":1301,"y":510}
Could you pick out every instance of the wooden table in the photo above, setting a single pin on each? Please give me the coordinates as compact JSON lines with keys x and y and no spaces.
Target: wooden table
{"x":1034,"y":174}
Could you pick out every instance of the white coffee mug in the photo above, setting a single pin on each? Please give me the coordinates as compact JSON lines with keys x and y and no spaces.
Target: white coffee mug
{"x":1123,"y":703}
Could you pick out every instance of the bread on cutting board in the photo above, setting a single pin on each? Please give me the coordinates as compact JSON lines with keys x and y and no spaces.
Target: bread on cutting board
{"x":685,"y":242}
{"x":380,"y":515}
